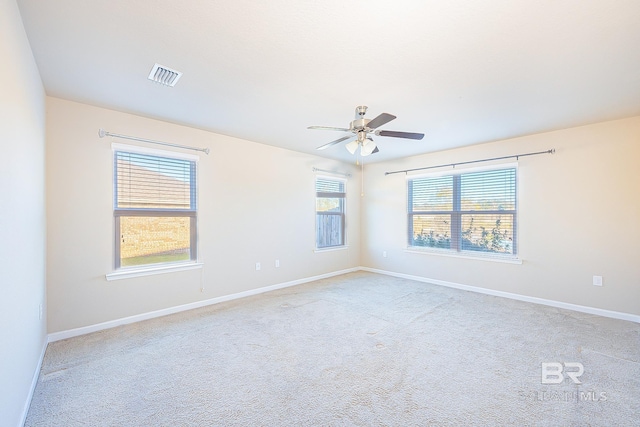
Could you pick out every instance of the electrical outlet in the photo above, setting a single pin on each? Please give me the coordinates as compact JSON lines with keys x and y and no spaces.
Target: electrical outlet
{"x":384,"y":254}
{"x":597,"y":280}
{"x":277,"y":263}
{"x":257,"y":266}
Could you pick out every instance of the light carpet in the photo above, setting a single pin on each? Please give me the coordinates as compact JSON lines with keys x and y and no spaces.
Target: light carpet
{"x":355,"y":350}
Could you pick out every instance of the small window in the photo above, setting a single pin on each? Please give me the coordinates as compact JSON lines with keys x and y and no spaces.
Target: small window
{"x":155,"y":209}
{"x":330,"y":212}
{"x":464,"y":212}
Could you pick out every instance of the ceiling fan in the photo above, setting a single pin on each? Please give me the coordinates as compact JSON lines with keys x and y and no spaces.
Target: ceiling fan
{"x":361,"y":128}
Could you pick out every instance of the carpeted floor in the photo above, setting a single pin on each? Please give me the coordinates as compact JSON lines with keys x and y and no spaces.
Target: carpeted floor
{"x":354,"y":350}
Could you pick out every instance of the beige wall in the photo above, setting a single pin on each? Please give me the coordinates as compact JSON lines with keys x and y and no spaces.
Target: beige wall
{"x":22,"y":216}
{"x":579,"y":216}
{"x":256,"y":203}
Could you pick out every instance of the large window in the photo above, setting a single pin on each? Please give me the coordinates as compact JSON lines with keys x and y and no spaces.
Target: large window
{"x":473,"y":211}
{"x":330,"y":212}
{"x":155,"y":208}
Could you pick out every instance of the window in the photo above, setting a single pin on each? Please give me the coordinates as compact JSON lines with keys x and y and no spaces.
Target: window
{"x":330,"y":212}
{"x":154,"y":208}
{"x":464,"y":212}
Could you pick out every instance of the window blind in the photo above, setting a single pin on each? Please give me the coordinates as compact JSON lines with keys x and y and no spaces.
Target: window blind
{"x":433,"y":194}
{"x":325,"y":185}
{"x":488,"y":190}
{"x":146,"y":181}
{"x":474,"y":211}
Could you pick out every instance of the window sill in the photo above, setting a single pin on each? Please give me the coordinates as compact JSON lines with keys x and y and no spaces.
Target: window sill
{"x":331,"y":249}
{"x":465,"y":255}
{"x":151,"y":270}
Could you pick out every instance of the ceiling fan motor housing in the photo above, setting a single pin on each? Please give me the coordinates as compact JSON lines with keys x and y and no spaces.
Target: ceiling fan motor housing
{"x":359,"y":124}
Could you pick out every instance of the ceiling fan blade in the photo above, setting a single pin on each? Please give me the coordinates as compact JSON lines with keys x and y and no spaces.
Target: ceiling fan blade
{"x":380,"y":120}
{"x":352,"y":146}
{"x":329,"y":128}
{"x":395,"y":134}
{"x":337,"y":141}
{"x":375,"y":150}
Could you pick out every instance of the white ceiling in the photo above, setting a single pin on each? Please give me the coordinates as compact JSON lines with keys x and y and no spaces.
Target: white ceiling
{"x":460,"y":71}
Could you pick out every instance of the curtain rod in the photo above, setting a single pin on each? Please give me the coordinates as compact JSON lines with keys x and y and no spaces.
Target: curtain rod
{"x":102,"y":133}
{"x":516,"y":156}
{"x":328,"y":171}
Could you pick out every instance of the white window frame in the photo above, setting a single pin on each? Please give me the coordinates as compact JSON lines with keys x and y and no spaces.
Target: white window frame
{"x":343,"y":214}
{"x":456,"y":251}
{"x":146,"y":269}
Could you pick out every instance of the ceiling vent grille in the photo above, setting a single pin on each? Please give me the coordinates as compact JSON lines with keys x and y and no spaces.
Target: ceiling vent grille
{"x":164,"y":75}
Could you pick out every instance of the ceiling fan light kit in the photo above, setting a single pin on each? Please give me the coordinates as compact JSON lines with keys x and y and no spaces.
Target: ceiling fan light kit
{"x":361,"y":128}
{"x":352,"y":146}
{"x":367,"y":147}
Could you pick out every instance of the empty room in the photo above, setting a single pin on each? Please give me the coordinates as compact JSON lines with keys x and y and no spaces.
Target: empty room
{"x":337,"y":213}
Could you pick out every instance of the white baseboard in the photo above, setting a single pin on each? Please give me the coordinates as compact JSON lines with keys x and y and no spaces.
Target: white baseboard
{"x":34,"y":382}
{"x":57,"y":336}
{"x":557,"y":304}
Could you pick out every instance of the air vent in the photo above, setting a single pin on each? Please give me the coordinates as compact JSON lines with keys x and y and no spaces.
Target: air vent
{"x":164,"y":75}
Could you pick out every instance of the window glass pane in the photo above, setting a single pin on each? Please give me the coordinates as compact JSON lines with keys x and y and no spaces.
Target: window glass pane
{"x":487,"y":233}
{"x":488,"y":190}
{"x":433,"y":231}
{"x":432,"y":194}
{"x":330,"y":212}
{"x":329,"y":230}
{"x":153,"y":240}
{"x":325,"y":204}
{"x":152,"y":182}
{"x":472,"y":211}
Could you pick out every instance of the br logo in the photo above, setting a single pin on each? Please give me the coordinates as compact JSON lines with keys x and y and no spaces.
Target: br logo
{"x":554,"y":372}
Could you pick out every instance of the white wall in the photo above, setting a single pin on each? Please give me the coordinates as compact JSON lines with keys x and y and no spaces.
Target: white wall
{"x":579,"y":216}
{"x":22,"y":216}
{"x":257,"y":203}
